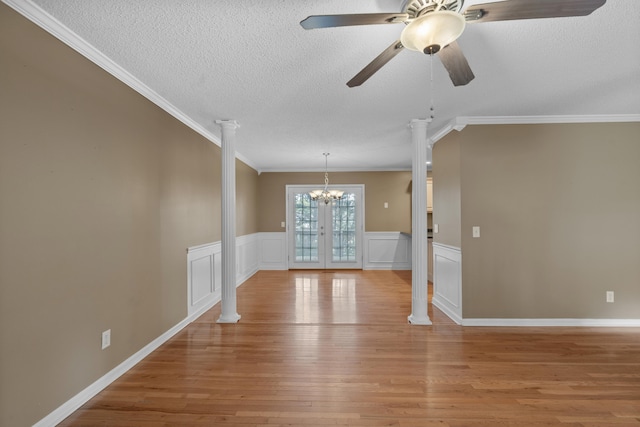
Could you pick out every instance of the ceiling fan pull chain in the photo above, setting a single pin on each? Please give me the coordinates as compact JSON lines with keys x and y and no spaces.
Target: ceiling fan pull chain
{"x":431,"y":109}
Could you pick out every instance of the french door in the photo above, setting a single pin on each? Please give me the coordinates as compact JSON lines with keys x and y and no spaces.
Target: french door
{"x":323,"y":235}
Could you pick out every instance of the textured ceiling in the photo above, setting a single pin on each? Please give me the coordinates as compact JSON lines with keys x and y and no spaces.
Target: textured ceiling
{"x":250,"y":61}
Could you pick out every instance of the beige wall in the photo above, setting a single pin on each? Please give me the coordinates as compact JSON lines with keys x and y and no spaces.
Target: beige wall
{"x":380,"y":187}
{"x":246,"y":199}
{"x":558,"y":209}
{"x":446,"y":190}
{"x":101,"y":194}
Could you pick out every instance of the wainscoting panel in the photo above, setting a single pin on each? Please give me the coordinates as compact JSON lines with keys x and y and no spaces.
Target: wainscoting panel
{"x":204,"y":271}
{"x":447,"y":280}
{"x":247,"y":256}
{"x":203,"y":266}
{"x":202,"y":279}
{"x":273,"y":251}
{"x":387,"y":251}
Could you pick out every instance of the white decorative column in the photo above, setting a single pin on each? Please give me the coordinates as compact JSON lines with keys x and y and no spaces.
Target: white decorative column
{"x":419,"y":266}
{"x":228,"y":314}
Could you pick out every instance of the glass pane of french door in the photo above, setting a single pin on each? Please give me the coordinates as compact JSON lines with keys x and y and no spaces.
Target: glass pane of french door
{"x":344,"y":229}
{"x":324,"y":235}
{"x":306,"y":228}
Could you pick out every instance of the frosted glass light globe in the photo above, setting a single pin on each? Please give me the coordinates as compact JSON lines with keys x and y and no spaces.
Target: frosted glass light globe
{"x":432,"y":31}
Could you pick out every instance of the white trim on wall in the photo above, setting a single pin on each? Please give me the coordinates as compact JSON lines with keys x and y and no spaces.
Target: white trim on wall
{"x":203,"y":290}
{"x":204,"y":271}
{"x":460,"y":122}
{"x":447,"y":297}
{"x":447,"y":280}
{"x":387,"y":251}
{"x":609,"y":323}
{"x":44,"y":20}
{"x":71,"y":405}
{"x":203,"y":277}
{"x":523,"y":120}
{"x":267,"y":251}
{"x":273,"y":251}
{"x":247,"y":257}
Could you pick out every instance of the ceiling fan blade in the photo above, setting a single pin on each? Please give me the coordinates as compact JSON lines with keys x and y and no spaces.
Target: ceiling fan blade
{"x":368,"y":71}
{"x":326,"y":21}
{"x":456,"y":64}
{"x":528,"y":9}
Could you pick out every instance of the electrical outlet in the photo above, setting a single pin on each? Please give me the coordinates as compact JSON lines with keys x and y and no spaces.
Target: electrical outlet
{"x":610,"y":296}
{"x":283,"y":224}
{"x":106,"y":339}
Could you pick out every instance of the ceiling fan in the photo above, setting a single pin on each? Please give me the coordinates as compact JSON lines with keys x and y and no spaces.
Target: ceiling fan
{"x":432,"y":27}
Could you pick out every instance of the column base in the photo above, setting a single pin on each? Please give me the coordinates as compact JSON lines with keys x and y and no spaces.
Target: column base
{"x":233,"y":318}
{"x":414,"y":320}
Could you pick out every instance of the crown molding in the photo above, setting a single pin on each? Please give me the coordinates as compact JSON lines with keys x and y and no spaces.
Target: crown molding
{"x":461,"y":122}
{"x":455,"y":124}
{"x":332,"y":170}
{"x":47,"y":22}
{"x":521,"y":120}
{"x":44,"y":20}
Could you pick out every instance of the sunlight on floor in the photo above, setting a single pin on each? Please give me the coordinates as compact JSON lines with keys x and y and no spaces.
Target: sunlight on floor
{"x":325,"y":302}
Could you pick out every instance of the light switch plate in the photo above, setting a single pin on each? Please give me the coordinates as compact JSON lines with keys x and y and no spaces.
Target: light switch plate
{"x":435,"y":228}
{"x":610,"y":297}
{"x":476,"y":231}
{"x":106,"y":339}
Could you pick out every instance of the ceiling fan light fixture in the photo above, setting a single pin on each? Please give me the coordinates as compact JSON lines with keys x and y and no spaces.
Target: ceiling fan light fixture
{"x":432,"y":31}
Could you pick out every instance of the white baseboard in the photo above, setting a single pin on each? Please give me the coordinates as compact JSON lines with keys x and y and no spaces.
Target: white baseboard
{"x":445,"y":308}
{"x":608,"y":323}
{"x":247,"y":263}
{"x":85,"y":395}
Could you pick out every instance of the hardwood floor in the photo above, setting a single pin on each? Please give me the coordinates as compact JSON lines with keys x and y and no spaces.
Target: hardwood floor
{"x":333,"y":348}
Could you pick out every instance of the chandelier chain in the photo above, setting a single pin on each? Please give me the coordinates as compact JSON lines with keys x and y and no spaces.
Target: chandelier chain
{"x":325,"y":195}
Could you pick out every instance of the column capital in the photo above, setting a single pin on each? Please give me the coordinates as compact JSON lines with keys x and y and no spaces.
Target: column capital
{"x":229,"y":124}
{"x":419,"y":122}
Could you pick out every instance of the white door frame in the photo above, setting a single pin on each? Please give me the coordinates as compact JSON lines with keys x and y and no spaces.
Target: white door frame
{"x":292,"y":264}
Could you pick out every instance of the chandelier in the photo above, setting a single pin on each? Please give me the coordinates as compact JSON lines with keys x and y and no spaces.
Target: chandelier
{"x":325,"y":194}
